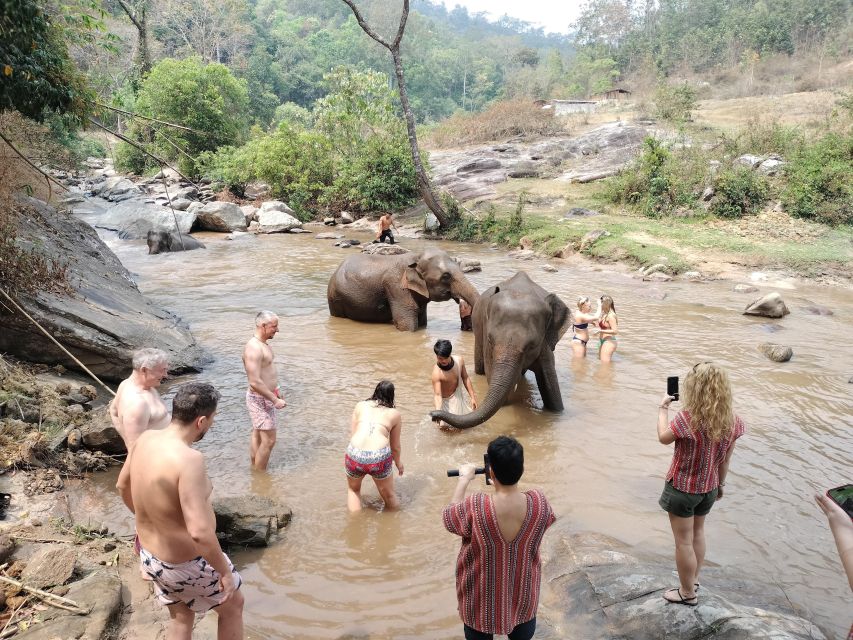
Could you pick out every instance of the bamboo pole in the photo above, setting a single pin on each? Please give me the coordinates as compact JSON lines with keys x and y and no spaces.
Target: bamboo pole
{"x":49,"y":598}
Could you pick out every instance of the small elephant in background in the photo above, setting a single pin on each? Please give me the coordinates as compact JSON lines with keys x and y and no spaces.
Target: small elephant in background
{"x":517,"y":325}
{"x":169,"y":241}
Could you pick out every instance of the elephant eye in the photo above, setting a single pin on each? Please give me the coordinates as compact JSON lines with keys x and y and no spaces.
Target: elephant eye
{"x":445,"y":276}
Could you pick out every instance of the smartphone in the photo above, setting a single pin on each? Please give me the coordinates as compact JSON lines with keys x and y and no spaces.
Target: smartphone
{"x":672,"y":386}
{"x":486,"y":466}
{"x":843,"y":497}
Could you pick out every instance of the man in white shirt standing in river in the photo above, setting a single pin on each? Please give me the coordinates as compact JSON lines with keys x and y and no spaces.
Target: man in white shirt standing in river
{"x":263,"y":397}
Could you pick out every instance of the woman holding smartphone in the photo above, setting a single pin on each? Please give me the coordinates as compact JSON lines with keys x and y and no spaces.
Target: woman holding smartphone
{"x":704,"y":433}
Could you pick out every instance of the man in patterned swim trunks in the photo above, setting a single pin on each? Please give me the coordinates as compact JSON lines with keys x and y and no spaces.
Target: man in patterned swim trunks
{"x":164,"y":483}
{"x":263,"y":396}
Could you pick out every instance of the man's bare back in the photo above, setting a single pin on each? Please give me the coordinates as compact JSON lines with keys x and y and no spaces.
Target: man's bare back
{"x":137,"y":405}
{"x":157,"y":466}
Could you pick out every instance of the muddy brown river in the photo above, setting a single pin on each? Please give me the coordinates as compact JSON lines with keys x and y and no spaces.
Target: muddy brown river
{"x":390,"y":575}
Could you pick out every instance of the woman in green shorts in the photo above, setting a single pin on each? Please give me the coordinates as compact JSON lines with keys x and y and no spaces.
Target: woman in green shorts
{"x":704,"y":433}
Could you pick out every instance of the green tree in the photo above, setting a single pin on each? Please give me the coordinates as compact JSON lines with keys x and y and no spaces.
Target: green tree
{"x":206,"y":98}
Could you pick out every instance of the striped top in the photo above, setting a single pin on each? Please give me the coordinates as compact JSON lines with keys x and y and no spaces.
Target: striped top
{"x":696,"y":460}
{"x":497,"y":582}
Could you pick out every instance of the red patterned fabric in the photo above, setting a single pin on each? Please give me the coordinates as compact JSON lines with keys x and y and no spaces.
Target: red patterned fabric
{"x":497,"y":582}
{"x":696,"y":460}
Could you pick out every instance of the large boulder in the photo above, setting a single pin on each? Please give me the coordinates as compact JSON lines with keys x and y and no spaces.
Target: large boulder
{"x":776,"y":352}
{"x":103,"y":318}
{"x":49,"y":567}
{"x":117,"y":188}
{"x":133,"y":219}
{"x":221,"y":216}
{"x":99,"y":434}
{"x":375,"y":248}
{"x":597,"y":589}
{"x":769,"y":306}
{"x":249,"y":521}
{"x":99,"y":593}
{"x":275,"y":221}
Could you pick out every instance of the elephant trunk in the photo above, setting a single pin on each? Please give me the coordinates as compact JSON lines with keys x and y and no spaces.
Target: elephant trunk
{"x":465,"y":290}
{"x":505,"y":374}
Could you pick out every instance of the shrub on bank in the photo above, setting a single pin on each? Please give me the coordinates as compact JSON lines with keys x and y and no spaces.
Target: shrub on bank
{"x":739,"y":191}
{"x":820,"y":180}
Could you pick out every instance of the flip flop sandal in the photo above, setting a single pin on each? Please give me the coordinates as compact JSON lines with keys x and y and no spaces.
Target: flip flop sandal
{"x":689,"y":602}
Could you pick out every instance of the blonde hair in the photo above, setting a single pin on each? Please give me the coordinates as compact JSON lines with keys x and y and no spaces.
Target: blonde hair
{"x":582,"y":300}
{"x":707,"y":397}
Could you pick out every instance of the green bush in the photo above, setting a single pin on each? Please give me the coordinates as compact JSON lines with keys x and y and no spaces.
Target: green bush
{"x":675,"y":103}
{"x":820,"y":180}
{"x":739,"y":191}
{"x":207,"y":98}
{"x":660,"y":180}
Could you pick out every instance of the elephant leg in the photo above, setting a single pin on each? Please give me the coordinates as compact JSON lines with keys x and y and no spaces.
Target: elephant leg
{"x":546,"y":378}
{"x":422,"y":318}
{"x":403,"y":315}
{"x":479,"y":360}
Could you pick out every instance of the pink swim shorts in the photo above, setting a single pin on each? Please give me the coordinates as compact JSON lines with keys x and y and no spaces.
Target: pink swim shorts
{"x":261,"y":411}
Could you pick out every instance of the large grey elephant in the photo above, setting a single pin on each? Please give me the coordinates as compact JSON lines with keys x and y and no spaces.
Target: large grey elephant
{"x":166,"y":241}
{"x":517,"y":325}
{"x":378,"y":288}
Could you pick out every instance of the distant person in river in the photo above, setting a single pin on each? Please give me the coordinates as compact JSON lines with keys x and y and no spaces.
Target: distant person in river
{"x":137,"y":406}
{"x":449,"y":376}
{"x":498,"y":569}
{"x":608,"y":327}
{"x":263,"y":397}
{"x":374,"y":447}
{"x":580,"y":325}
{"x":704,"y":433}
{"x":386,"y":221}
{"x":165,"y":485}
{"x":465,"y":311}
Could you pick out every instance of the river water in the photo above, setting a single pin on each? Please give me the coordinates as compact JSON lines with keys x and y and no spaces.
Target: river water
{"x":390,"y":575}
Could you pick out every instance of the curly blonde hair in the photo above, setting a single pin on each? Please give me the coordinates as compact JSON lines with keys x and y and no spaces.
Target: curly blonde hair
{"x":707,"y":396}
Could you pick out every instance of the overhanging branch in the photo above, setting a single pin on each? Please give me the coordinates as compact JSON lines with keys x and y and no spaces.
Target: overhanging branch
{"x":366,"y":27}
{"x":403,"y":19}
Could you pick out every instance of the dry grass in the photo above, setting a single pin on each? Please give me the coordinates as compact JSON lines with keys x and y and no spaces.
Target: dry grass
{"x":789,"y":109}
{"x":501,"y":121}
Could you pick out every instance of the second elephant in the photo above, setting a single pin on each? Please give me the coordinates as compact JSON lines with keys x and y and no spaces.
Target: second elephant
{"x":377,"y":288}
{"x":517,"y":325}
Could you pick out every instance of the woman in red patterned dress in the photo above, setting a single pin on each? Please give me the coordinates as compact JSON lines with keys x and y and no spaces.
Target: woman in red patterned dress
{"x":498,"y":569}
{"x":704,"y":433}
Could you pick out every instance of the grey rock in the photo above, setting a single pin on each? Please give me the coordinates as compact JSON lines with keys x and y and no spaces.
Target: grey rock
{"x":249,"y":521}
{"x":467,"y":265}
{"x":7,"y":548}
{"x":431,"y":222}
{"x":298,"y":230}
{"x":180,"y":204}
{"x":592,"y":237}
{"x":769,"y":306}
{"x":329,"y":221}
{"x":771,"y":166}
{"x":221,"y":216}
{"x":188,"y":193}
{"x":523,"y":169}
{"x":692,"y":276}
{"x":346,"y":217}
{"x":99,"y":593}
{"x":117,"y":188}
{"x":276,"y":205}
{"x":564,"y":252}
{"x":707,"y":194}
{"x":276,"y":221}
{"x":250,"y":211}
{"x":748,"y":160}
{"x":353,"y":242}
{"x":104,"y":319}
{"x":776,"y":352}
{"x":343,"y":245}
{"x":744,"y":288}
{"x":599,"y":590}
{"x":133,"y":219}
{"x":652,"y":268}
{"x":550,"y":268}
{"x":522,"y":254}
{"x":99,"y":434}
{"x":658,"y":276}
{"x":49,"y":567}
{"x":195,"y":207}
{"x":327,"y":235}
{"x":257,"y":189}
{"x":478,"y":165}
{"x":374,"y":248}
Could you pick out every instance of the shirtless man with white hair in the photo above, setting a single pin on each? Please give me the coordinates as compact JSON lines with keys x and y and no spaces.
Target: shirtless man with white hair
{"x":137,"y":405}
{"x":264,"y":395}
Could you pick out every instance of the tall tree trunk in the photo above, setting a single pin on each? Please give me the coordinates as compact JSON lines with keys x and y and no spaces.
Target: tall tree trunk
{"x":141,"y":58}
{"x":423,"y":179}
{"x":424,"y":185}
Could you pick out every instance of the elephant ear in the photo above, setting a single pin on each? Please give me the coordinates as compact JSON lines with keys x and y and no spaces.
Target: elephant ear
{"x":413,"y":281}
{"x":561,"y":318}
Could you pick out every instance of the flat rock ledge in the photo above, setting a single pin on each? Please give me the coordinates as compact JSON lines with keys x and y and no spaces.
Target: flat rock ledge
{"x":595,"y":588}
{"x":249,"y":521}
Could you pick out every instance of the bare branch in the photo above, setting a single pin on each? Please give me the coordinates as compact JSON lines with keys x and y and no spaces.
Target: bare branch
{"x":136,"y":145}
{"x":402,"y":28}
{"x":27,"y":160}
{"x":130,"y":14}
{"x":137,"y":115}
{"x":366,"y":27}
